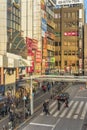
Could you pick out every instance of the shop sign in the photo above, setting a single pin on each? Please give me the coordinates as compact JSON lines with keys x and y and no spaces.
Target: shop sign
{"x":67,"y":2}
{"x":1,"y":61}
{"x":44,"y":25}
{"x":73,"y":33}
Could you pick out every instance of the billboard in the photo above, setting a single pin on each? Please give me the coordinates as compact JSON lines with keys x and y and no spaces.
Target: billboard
{"x":67,"y":2}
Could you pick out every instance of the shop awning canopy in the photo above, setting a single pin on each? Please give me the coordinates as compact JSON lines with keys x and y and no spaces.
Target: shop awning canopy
{"x":24,"y":63}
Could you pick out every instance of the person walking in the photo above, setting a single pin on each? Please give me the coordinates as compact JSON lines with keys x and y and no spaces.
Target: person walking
{"x":59,"y":104}
{"x":46,"y":107}
{"x":66,"y":102}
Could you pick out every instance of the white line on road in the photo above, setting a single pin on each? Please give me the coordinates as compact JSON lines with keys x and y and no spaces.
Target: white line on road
{"x":38,"y":124}
{"x":65,"y":110}
{"x":79,"y":97}
{"x":57,"y":113}
{"x":78,"y":110}
{"x":56,"y":124}
{"x":84,"y":111}
{"x":72,"y":110}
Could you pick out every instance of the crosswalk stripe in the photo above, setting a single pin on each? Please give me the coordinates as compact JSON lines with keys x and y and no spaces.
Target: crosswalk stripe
{"x":72,"y":110}
{"x":51,"y":112}
{"x":84,"y":111}
{"x":78,"y":110}
{"x":65,"y":110}
{"x":57,"y":112}
{"x":53,"y":104}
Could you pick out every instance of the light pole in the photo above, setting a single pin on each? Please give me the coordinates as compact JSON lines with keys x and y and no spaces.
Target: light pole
{"x":31,"y":97}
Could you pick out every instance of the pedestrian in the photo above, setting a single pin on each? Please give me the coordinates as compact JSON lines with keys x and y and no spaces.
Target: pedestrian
{"x":46,"y":107}
{"x":59,"y":104}
{"x":66,"y":102}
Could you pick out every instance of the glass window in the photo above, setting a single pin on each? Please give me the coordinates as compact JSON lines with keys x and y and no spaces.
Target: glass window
{"x":65,"y":52}
{"x":56,"y":43}
{"x":56,"y":53}
{"x":69,"y":52}
{"x":56,"y":63}
{"x":65,"y":62}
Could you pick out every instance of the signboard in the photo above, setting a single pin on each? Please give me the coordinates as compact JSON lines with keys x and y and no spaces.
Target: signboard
{"x":66,"y":2}
{"x":1,"y":60}
{"x":44,"y":25}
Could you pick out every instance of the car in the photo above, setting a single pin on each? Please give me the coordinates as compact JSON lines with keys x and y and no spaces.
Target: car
{"x":62,"y":96}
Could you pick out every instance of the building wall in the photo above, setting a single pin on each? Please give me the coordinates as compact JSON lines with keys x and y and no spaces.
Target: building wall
{"x":3,"y":25}
{"x":85,"y":49}
{"x":68,"y":32}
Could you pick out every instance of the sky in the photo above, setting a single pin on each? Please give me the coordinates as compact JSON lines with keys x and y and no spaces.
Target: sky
{"x":85,"y":2}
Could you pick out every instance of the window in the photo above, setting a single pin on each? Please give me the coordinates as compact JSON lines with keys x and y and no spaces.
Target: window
{"x":73,"y":14}
{"x":59,"y":63}
{"x":73,"y":52}
{"x":65,"y":62}
{"x":65,"y":43}
{"x":56,"y":43}
{"x":65,"y":15}
{"x":56,"y":53}
{"x":56,"y":63}
{"x":65,"y":52}
{"x":77,"y":63}
{"x":69,"y":52}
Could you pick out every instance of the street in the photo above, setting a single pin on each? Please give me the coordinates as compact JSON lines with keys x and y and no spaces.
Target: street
{"x":71,"y":118}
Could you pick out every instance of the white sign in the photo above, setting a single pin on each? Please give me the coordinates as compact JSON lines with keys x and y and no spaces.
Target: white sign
{"x":65,"y":2}
{"x":1,"y":60}
{"x":10,"y":62}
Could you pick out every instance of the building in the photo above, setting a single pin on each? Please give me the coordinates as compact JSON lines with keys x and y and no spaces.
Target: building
{"x":12,"y":46}
{"x":69,"y":19}
{"x":85,"y":49}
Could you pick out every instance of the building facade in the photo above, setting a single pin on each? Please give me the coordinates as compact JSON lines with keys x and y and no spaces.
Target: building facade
{"x":85,"y":49}
{"x":69,"y":19}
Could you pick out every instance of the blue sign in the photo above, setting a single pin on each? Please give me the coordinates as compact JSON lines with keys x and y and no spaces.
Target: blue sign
{"x":44,"y":25}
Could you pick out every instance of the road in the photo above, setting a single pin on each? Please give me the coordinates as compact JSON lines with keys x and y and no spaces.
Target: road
{"x":71,"y":118}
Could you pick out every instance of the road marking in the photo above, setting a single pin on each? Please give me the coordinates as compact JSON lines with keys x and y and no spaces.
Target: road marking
{"x":57,"y":113}
{"x":66,"y":109}
{"x":78,"y":110}
{"x":72,"y":109}
{"x":53,"y":104}
{"x":79,"y":97}
{"x":84,"y":111}
{"x":51,"y":112}
{"x":38,"y":124}
{"x":56,"y":124}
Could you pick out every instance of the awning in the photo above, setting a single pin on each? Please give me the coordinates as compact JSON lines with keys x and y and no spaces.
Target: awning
{"x":24,"y":63}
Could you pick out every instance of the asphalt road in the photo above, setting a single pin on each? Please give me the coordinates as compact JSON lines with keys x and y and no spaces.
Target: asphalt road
{"x":71,"y":118}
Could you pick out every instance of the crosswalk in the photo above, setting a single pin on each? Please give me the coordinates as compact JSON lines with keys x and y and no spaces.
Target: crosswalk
{"x":76,"y":110}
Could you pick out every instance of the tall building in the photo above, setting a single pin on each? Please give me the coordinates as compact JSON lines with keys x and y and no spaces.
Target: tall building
{"x":85,"y":49}
{"x":69,"y":19}
{"x":12,"y":45}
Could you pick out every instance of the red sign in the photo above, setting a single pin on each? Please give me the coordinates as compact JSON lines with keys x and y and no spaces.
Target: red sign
{"x":29,"y":46}
{"x":38,"y":56}
{"x":74,"y":33}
